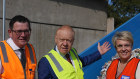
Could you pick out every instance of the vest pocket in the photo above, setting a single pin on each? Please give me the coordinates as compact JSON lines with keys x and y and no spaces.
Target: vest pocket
{"x":31,"y":71}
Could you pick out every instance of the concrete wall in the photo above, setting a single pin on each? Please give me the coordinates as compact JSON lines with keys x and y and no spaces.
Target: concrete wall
{"x":110,"y":25}
{"x":87,"y":17}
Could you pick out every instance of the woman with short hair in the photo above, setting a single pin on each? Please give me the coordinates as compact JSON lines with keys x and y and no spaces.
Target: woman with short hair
{"x":126,"y":66}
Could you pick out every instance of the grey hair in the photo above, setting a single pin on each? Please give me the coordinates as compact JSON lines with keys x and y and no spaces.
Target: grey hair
{"x":124,"y":35}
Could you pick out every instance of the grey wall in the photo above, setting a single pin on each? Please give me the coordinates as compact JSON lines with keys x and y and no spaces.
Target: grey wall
{"x":87,"y":17}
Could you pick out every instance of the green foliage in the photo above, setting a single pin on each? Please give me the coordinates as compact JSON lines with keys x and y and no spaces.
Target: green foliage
{"x":122,"y":10}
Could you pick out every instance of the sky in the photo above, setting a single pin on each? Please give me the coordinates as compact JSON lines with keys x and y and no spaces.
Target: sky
{"x":109,"y":2}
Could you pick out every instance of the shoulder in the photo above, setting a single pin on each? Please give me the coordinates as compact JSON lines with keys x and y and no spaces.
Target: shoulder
{"x":29,"y":44}
{"x":43,"y":64}
{"x":138,"y":71}
{"x":43,"y":60}
{"x":44,"y":69}
{"x":74,"y":50}
{"x":134,"y":60}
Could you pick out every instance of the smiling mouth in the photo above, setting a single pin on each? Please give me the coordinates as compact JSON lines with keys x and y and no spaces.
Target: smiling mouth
{"x":22,"y":39}
{"x":124,"y":53}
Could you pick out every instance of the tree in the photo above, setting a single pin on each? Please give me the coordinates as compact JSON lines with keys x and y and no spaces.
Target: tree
{"x":122,"y":10}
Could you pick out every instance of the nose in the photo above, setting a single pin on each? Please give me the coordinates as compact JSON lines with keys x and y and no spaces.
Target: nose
{"x":65,"y":42}
{"x":22,"y":33}
{"x":123,"y":48}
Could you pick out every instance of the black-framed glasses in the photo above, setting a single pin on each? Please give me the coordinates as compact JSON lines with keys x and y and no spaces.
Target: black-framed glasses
{"x":19,"y":32}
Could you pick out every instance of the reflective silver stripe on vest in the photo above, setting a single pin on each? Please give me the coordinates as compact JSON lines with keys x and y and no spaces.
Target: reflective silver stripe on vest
{"x":76,"y":57}
{"x":4,"y":52}
{"x":31,"y":54}
{"x":57,"y":64}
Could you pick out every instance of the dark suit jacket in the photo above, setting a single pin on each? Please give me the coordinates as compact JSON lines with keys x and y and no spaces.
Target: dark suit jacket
{"x":45,"y":70}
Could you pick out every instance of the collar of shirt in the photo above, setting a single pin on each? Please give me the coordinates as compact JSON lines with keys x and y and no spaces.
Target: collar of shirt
{"x":14,"y":47}
{"x":56,"y":48}
{"x":12,"y":44}
{"x":128,"y":59}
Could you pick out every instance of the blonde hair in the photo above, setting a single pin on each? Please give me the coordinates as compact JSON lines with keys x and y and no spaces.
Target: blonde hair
{"x":124,"y":35}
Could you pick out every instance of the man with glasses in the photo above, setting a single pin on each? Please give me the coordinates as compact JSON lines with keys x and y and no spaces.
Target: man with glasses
{"x":17,"y":56}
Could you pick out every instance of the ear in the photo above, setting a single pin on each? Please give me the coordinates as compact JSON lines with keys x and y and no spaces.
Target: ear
{"x":55,"y":39}
{"x":10,"y":33}
{"x":73,"y":41}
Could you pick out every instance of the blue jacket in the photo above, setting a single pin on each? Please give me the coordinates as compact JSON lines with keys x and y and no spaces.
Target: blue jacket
{"x":45,"y":70}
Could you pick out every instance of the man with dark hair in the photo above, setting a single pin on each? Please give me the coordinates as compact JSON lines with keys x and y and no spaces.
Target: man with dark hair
{"x":17,"y":56}
{"x":19,"y":18}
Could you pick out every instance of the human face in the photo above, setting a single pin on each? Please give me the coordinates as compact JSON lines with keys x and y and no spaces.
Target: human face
{"x":64,"y":40}
{"x":20,"y":34}
{"x":124,"y":49}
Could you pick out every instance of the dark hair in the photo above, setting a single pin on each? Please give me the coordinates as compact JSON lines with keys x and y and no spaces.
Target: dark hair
{"x":19,"y":18}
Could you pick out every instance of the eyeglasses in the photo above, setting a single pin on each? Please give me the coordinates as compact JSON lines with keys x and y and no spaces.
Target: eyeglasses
{"x":125,"y":46}
{"x":19,"y":32}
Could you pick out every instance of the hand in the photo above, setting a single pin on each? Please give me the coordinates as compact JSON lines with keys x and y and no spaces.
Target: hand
{"x":104,"y":48}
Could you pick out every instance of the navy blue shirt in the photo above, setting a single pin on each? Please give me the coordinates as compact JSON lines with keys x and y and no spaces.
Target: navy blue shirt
{"x":45,"y":70}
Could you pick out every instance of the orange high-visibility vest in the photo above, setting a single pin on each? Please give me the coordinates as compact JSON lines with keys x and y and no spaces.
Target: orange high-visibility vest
{"x":129,"y":70}
{"x":11,"y":63}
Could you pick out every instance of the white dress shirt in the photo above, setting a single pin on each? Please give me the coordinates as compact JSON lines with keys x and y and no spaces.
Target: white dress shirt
{"x":16,"y":50}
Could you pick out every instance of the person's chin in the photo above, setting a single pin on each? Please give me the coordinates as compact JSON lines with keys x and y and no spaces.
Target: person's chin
{"x":126,"y":57}
{"x":65,"y":51}
{"x":23,"y":43}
